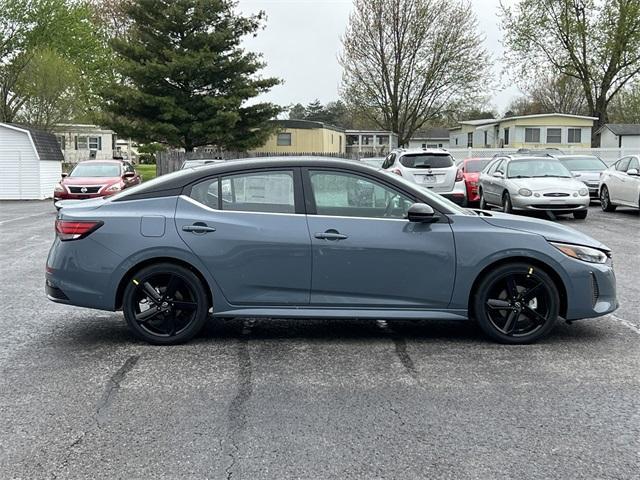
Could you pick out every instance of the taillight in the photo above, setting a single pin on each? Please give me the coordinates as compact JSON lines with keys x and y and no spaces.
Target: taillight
{"x":459,"y":176}
{"x":74,"y":230}
{"x":397,"y":171}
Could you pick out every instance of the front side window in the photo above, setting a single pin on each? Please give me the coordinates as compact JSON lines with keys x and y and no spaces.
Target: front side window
{"x":267,"y":192}
{"x":532,"y":135}
{"x":623,"y":164}
{"x":634,"y":164}
{"x":348,"y":195}
{"x":554,"y":135}
{"x":574,"y":135}
{"x":284,"y":140}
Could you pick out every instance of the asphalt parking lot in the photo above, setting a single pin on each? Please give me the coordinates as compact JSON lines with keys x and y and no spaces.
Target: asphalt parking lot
{"x":80,"y":398}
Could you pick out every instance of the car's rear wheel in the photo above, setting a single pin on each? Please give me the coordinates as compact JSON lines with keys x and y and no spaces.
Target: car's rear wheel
{"x":507,"y":206}
{"x":165,"y":304}
{"x":581,"y":215}
{"x":516,"y":304}
{"x":605,"y":200}
{"x":483,"y":203}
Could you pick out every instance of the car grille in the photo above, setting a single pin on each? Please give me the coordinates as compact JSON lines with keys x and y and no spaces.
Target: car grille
{"x":556,"y":195}
{"x":79,"y":189}
{"x":595,"y":290}
{"x":555,"y":206}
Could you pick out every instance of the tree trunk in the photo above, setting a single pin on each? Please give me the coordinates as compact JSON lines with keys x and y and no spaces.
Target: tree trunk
{"x":600,"y":111}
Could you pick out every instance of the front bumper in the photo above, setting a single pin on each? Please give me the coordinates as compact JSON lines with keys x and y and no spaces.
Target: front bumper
{"x":565,"y":204}
{"x":593,"y":291}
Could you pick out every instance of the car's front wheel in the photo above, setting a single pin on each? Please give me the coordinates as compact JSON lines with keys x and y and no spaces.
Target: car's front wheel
{"x":605,"y":200}
{"x":507,"y":206}
{"x":516,"y":303}
{"x":165,"y":304}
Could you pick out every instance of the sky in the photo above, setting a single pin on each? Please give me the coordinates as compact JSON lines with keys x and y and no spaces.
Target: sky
{"x":301,"y":41}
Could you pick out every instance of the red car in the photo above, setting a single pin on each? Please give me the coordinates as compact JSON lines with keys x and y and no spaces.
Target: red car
{"x":96,"y":178}
{"x":471,"y":168}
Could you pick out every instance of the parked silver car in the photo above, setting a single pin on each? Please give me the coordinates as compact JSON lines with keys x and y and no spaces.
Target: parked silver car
{"x":620,"y":184}
{"x":431,"y":168}
{"x":586,"y":168}
{"x":532,"y":183}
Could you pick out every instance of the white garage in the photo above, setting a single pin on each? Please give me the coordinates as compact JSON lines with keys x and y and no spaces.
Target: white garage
{"x":30,"y":163}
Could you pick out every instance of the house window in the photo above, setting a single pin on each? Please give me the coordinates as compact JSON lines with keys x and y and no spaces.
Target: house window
{"x":456,"y":140}
{"x":382,"y":140}
{"x":352,"y":140}
{"x":554,"y":135}
{"x":61,"y":141}
{"x":506,"y":136}
{"x":432,"y":145}
{"x":82,"y":143}
{"x":485,"y":138}
{"x":90,"y":143}
{"x":367,"y":139}
{"x":424,"y":145}
{"x":470,"y":139}
{"x":532,"y":135}
{"x":95,"y":143}
{"x":284,"y":140}
{"x":575,"y":135}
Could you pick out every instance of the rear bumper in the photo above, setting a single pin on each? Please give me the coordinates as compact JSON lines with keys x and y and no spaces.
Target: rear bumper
{"x":457,"y":195}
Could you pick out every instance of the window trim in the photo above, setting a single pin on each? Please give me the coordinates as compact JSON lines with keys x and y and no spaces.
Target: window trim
{"x":533,"y":129}
{"x":559,"y":134}
{"x":569,"y":133}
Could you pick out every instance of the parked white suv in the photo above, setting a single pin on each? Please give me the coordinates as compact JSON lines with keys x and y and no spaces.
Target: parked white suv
{"x":620,"y":184}
{"x":432,"y":168}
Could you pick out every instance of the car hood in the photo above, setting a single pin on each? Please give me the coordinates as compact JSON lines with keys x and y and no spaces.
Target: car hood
{"x":587,"y":176}
{"x":552,"y":231}
{"x":548,"y":183}
{"x":90,"y":180}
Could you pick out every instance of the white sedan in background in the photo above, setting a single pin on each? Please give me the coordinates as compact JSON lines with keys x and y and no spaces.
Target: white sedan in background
{"x":620,"y":184}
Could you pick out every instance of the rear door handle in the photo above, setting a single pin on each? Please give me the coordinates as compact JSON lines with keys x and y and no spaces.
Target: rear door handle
{"x":331,"y":235}
{"x":198,"y":228}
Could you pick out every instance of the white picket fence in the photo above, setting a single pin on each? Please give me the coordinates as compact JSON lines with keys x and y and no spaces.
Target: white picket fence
{"x":608,"y":155}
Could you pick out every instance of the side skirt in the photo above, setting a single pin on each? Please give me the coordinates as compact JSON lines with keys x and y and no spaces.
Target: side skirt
{"x":373,"y":314}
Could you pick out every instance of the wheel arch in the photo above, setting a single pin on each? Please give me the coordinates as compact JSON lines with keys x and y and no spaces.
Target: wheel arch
{"x":557,"y":280}
{"x":155,"y":260}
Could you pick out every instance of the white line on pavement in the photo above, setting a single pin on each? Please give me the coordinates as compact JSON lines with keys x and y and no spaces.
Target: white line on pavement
{"x":626,"y":323}
{"x":24,"y":218}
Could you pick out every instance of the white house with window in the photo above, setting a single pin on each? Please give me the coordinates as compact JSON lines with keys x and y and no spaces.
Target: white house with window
{"x":378,"y":142}
{"x":430,"y":138}
{"x":557,"y":130}
{"x":620,"y":135}
{"x":85,"y":142}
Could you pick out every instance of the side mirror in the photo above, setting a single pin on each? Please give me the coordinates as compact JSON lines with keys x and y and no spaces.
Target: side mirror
{"x":633,"y":171}
{"x":498,"y":174}
{"x":129,"y":175}
{"x":421,"y":213}
{"x":64,"y":175}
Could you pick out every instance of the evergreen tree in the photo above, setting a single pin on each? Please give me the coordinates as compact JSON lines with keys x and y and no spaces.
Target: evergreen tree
{"x":185,"y":81}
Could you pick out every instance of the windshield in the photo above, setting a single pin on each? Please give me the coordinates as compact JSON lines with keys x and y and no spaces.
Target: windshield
{"x":475,"y":166}
{"x":96,"y":170}
{"x":584,"y":164}
{"x":537,"y":168}
{"x":427,"y":160}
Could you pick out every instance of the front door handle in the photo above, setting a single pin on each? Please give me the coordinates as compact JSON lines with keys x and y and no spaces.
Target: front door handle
{"x":198,"y":228}
{"x":331,"y":235}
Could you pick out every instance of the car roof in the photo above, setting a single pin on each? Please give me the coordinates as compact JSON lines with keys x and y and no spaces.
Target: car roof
{"x":118,"y":162}
{"x":575,"y":155}
{"x":417,"y":151}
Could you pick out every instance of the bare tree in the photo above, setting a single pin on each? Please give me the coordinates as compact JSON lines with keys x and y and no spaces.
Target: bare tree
{"x":594,"y":41}
{"x":409,"y":61}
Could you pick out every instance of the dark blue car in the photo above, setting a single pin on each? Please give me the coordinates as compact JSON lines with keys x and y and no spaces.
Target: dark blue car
{"x":312,"y":237}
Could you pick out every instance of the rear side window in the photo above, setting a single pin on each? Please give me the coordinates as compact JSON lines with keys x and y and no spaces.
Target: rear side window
{"x":206,"y":193}
{"x":268,"y":192}
{"x":427,"y":160}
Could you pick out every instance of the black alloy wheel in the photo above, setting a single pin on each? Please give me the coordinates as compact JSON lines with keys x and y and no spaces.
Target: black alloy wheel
{"x":517,"y":304}
{"x":605,"y":200}
{"x":165,"y":304}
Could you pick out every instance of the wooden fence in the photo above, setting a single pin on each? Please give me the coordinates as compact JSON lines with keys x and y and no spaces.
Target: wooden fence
{"x":171,"y":160}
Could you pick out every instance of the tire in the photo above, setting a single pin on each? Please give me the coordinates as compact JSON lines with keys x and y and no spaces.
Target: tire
{"x":605,"y":200}
{"x":581,"y":215}
{"x":507,"y":206}
{"x":152,"y":299}
{"x":483,"y":203}
{"x":516,"y":304}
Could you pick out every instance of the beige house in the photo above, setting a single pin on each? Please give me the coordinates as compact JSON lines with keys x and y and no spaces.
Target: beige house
{"x":304,"y":136}
{"x":557,"y":130}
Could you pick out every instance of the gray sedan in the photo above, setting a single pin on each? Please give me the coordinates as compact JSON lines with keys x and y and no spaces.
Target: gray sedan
{"x":586,"y":168}
{"x":309,"y":238}
{"x":532,"y":183}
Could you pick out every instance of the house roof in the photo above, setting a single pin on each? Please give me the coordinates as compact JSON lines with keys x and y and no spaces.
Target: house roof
{"x":307,"y":125}
{"x":431,"y":133}
{"x":622,"y":128}
{"x":45,"y":143}
{"x":541,"y":115}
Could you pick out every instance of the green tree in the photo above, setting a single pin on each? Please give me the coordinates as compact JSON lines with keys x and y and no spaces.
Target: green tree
{"x":297,"y":112}
{"x":595,"y":42}
{"x":184,"y":79}
{"x":625,"y":107}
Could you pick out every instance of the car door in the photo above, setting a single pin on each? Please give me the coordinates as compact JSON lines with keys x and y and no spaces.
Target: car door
{"x":629,"y":183}
{"x":365,"y":253}
{"x":250,"y":231}
{"x":493,"y":194}
{"x":616,"y":180}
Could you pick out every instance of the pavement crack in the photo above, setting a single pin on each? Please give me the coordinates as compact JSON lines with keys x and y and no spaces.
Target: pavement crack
{"x":112,"y":386}
{"x":237,"y":414}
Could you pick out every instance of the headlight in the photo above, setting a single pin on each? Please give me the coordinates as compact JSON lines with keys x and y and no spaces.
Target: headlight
{"x":583,"y":192}
{"x":114,"y":188}
{"x":586,"y":254}
{"x":525,"y":192}
{"x":58,"y":188}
